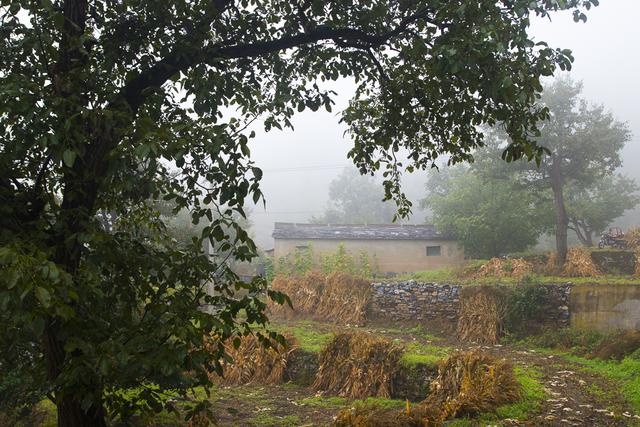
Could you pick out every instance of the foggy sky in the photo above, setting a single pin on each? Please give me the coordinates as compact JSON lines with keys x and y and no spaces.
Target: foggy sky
{"x":299,"y":165}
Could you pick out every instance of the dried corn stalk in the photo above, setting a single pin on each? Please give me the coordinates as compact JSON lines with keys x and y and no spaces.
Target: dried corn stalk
{"x":578,"y":264}
{"x":253,"y":363}
{"x":469,"y":383}
{"x":482,"y":312}
{"x":358,"y":365}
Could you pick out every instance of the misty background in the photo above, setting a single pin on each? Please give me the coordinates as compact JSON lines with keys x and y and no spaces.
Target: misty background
{"x":299,"y":165}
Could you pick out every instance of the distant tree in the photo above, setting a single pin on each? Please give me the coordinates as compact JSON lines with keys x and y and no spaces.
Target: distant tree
{"x":356,"y":199}
{"x":591,"y":209}
{"x":489,"y":215}
{"x":584,"y":143}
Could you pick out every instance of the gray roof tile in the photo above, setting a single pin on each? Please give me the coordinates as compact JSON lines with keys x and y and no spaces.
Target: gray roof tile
{"x":286,"y":230}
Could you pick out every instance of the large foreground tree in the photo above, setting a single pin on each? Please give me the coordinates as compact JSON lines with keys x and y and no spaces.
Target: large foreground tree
{"x":105,"y":105}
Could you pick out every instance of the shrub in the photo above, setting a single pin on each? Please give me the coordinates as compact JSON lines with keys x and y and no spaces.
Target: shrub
{"x":525,"y":306}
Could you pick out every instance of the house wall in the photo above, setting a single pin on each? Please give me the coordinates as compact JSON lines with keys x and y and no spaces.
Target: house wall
{"x":393,"y":256}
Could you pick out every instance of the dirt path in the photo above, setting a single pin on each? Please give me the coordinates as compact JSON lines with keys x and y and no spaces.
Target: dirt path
{"x":574,"y":397}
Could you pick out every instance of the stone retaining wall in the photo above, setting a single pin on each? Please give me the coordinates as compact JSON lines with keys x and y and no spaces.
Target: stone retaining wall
{"x":413,"y":301}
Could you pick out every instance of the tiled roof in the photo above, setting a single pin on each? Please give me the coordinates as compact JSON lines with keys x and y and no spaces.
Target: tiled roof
{"x":286,"y":230}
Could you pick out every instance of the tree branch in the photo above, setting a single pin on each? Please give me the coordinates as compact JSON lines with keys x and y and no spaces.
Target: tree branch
{"x":182,"y":58}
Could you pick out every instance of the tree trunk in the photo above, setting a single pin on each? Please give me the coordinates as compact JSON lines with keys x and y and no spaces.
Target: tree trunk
{"x":76,"y":210}
{"x":562,"y":221}
{"x":583,"y":231}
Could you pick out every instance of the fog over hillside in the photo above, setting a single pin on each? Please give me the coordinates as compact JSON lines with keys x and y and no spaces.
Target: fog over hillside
{"x":299,"y":165}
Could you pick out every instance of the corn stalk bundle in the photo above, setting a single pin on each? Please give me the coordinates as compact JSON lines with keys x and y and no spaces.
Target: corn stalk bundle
{"x":253,"y":363}
{"x":344,"y":300}
{"x":482,"y":313}
{"x":304,"y":293}
{"x":632,"y":236}
{"x":357,"y":365}
{"x":499,"y":268}
{"x":469,"y":383}
{"x":578,"y":264}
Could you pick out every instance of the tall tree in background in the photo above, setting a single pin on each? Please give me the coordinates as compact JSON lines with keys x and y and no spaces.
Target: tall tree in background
{"x":489,"y":213}
{"x":591,"y":209}
{"x":105,"y":105}
{"x":584,"y":143}
{"x":356,"y":199}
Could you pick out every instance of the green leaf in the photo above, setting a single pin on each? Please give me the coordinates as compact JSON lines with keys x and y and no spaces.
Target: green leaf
{"x":69,"y":157}
{"x":43,"y":296}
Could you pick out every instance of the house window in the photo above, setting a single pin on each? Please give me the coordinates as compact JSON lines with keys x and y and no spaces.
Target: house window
{"x":433,"y":250}
{"x":302,"y":247}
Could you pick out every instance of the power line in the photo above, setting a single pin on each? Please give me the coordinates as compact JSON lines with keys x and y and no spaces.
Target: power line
{"x":306,"y":168}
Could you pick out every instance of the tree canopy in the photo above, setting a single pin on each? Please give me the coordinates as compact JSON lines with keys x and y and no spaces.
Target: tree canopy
{"x":591,"y":209}
{"x":584,"y":143}
{"x":487,"y":211}
{"x":356,"y":199}
{"x":105,"y":105}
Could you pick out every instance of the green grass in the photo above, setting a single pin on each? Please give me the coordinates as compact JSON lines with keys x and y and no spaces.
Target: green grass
{"x":450,"y":275}
{"x":309,"y":338}
{"x":340,"y":402}
{"x":324,"y":401}
{"x":266,"y":419}
{"x":429,"y":354}
{"x":625,"y":373}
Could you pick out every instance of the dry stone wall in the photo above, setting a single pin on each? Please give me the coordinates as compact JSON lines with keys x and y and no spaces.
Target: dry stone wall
{"x":413,"y":301}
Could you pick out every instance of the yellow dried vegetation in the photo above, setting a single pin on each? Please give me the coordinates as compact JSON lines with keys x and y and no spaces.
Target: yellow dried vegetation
{"x":338,"y":297}
{"x":468,"y":383}
{"x":345,"y":299}
{"x":482,"y":313}
{"x":632,"y":236}
{"x":498,"y":267}
{"x":578,"y":264}
{"x":253,"y":363}
{"x":304,"y":292}
{"x":358,"y":365}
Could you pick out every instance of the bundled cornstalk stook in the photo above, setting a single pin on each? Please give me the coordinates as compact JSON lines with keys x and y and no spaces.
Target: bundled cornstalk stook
{"x":344,"y":300}
{"x":339,"y":297}
{"x":358,"y":365}
{"x":499,"y":268}
{"x":253,"y":363}
{"x":632,"y":236}
{"x":482,"y":314}
{"x":578,"y":263}
{"x":469,"y":383}
{"x":304,"y":292}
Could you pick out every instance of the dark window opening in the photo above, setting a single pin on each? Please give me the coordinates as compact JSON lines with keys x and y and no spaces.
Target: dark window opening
{"x":433,"y":250}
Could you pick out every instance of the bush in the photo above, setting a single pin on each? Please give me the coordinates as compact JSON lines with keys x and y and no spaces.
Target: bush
{"x":581,"y":342}
{"x":525,"y":306}
{"x":618,"y":345}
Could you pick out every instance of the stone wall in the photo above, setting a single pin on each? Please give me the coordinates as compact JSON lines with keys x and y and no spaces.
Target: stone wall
{"x":558,"y":310}
{"x":413,"y":301}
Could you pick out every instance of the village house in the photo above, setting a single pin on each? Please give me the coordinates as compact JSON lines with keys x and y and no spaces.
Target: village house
{"x":397,"y":248}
